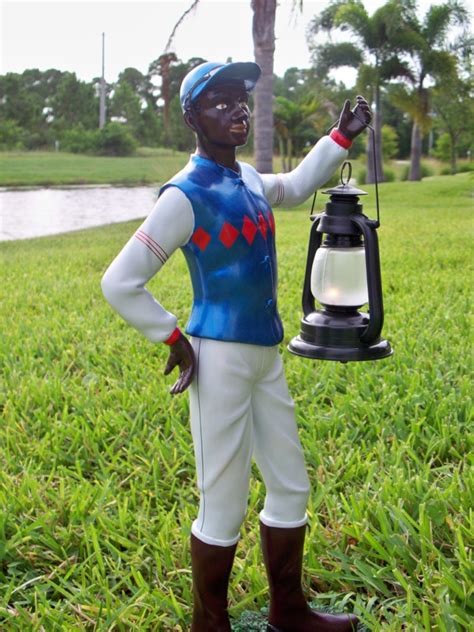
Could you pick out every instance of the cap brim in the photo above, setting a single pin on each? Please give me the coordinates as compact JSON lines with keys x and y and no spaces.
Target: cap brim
{"x":248,"y":72}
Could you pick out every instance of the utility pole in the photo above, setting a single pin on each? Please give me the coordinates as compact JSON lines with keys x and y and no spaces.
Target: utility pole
{"x":102,"y":87}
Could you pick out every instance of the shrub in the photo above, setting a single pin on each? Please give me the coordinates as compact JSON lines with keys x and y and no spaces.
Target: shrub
{"x":464,"y":167}
{"x":442,"y":149}
{"x":389,"y":175}
{"x":36,"y":140}
{"x":115,"y":140}
{"x":389,"y":143}
{"x":11,"y":135}
{"x":426,"y":171}
{"x":361,"y":176}
{"x":80,"y":141}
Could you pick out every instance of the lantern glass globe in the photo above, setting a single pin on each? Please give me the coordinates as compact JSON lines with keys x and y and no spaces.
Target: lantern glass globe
{"x":339,"y":277}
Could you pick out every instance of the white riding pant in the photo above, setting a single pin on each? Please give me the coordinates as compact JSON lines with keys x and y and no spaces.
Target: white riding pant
{"x":241,"y":408}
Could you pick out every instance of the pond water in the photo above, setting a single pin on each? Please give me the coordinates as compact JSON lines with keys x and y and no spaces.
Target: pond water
{"x":49,"y":211}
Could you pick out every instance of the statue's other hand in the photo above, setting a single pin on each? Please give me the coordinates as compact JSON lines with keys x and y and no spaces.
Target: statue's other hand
{"x":182,"y":356}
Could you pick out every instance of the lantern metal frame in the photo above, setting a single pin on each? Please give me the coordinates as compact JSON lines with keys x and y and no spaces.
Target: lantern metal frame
{"x":343,"y":333}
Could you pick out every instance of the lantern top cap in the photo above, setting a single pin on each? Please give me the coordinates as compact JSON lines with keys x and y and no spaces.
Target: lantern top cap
{"x":345,"y":188}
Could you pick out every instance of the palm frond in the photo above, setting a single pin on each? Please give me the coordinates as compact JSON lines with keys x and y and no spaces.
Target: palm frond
{"x":328,"y":56}
{"x":325,"y":20}
{"x":353,"y":17}
{"x":393,"y":67}
{"x":178,"y":23}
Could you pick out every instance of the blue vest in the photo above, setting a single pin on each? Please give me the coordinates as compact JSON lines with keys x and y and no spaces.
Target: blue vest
{"x":231,"y":254}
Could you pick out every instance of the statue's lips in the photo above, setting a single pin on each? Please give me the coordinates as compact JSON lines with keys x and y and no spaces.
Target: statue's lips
{"x":241,"y":128}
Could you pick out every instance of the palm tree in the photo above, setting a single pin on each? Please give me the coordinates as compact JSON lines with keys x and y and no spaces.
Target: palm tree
{"x":164,"y":69}
{"x":427,"y":46}
{"x":294,"y":121}
{"x":378,"y":38}
{"x":263,"y":32}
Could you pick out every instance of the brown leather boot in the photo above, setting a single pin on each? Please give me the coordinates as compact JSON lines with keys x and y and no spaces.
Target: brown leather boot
{"x":289,"y":612}
{"x":211,"y":570}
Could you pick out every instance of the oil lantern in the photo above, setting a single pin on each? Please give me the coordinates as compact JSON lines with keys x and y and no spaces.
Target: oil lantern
{"x":343,"y":275}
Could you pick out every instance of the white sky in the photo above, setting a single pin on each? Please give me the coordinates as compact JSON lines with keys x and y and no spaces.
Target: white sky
{"x":66,"y":34}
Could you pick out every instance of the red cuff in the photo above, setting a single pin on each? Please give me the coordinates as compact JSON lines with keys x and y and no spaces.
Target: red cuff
{"x":173,"y":337}
{"x":340,"y":139}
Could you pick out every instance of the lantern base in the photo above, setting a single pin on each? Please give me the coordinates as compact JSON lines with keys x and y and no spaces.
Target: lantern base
{"x":341,"y":354}
{"x":335,"y":335}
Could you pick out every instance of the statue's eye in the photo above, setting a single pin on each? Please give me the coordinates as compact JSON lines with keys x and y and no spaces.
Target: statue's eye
{"x":221,"y":106}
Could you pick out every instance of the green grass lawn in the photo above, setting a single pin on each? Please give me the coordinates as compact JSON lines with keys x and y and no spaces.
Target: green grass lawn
{"x":148,"y":166}
{"x":97,"y":477}
{"x":56,"y":168}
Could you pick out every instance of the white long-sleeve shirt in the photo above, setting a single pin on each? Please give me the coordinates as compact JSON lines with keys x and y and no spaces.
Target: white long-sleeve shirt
{"x":170,"y":225}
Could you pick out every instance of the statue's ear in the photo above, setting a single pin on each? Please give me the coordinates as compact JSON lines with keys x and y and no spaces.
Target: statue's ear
{"x":189,"y":120}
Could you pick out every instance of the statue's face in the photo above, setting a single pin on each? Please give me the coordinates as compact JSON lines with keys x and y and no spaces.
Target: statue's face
{"x":222,"y":114}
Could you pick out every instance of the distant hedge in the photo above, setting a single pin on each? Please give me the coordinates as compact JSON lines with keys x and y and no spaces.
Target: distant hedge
{"x":11,"y":135}
{"x":112,"y":140}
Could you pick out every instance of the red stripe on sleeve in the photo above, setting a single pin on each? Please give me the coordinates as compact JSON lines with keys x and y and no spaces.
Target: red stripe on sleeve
{"x":143,"y":237}
{"x":154,"y":243}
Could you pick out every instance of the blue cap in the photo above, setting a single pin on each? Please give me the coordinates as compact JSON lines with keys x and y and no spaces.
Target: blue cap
{"x":212,"y":73}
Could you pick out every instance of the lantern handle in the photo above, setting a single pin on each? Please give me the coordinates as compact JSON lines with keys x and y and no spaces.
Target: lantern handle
{"x":375,"y":166}
{"x":312,"y":205}
{"x":374,"y":278}
{"x":375,"y":174}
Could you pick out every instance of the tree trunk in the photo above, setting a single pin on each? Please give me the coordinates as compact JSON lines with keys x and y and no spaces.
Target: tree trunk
{"x":378,"y":144}
{"x":415,"y":153}
{"x":165,"y":95}
{"x":263,"y":31}
{"x":165,"y":61}
{"x":281,"y":144}
{"x":454,"y":166}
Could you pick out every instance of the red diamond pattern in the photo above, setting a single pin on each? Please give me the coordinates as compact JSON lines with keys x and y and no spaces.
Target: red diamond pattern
{"x":271,"y":222}
{"x":262,"y":224}
{"x":228,"y":234}
{"x":249,"y":230}
{"x":201,"y":238}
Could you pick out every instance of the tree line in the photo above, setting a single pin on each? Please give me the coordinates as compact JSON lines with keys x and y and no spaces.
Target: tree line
{"x":419,"y":82}
{"x":397,"y":54}
{"x":41,"y":108}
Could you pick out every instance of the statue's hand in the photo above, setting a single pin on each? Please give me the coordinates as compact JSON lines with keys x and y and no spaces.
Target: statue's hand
{"x":353,"y":122}
{"x":182,"y":356}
